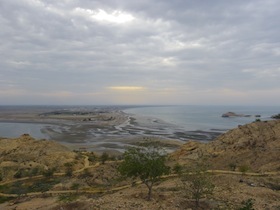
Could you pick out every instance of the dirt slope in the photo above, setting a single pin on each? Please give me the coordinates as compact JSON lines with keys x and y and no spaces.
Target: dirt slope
{"x":255,"y":145}
{"x":25,"y":153}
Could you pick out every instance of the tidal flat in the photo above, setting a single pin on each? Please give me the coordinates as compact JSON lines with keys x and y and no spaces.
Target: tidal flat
{"x":98,"y":129}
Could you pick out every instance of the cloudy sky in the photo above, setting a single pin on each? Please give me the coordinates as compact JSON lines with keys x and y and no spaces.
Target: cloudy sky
{"x":140,"y":52}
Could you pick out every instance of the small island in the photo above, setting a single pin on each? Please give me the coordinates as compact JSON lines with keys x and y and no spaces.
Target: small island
{"x":277,"y":116}
{"x":233,"y":114}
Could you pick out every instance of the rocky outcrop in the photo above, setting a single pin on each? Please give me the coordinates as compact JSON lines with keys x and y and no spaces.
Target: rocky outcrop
{"x":277,"y":116}
{"x":256,"y":145}
{"x":233,"y":114}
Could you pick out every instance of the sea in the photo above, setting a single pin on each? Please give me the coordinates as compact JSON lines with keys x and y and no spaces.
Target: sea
{"x":186,"y":118}
{"x":205,"y":118}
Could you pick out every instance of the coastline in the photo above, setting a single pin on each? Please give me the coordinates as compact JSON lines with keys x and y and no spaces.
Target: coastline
{"x":109,"y":129}
{"x":113,"y":128}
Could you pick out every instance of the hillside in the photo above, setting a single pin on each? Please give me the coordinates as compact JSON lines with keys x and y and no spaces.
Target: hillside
{"x":94,"y":184}
{"x":26,"y":156}
{"x":255,"y":145}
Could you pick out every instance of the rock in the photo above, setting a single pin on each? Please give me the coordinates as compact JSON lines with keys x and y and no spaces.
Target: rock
{"x":232,"y":114}
{"x":277,"y":116}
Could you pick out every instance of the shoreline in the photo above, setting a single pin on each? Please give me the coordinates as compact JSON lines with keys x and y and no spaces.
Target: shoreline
{"x":109,"y":129}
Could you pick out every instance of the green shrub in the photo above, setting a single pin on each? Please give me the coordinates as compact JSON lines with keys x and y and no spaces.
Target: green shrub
{"x":247,"y":205}
{"x":68,"y":198}
{"x":178,"y":168}
{"x":232,"y":166}
{"x":75,"y":186}
{"x":147,"y":162}
{"x":197,"y":182}
{"x":49,"y":172}
{"x":104,"y":157}
{"x":18,"y":174}
{"x":243,"y":169}
{"x":5,"y":199}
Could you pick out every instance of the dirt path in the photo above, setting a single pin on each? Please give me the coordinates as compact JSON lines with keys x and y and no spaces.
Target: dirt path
{"x":86,"y":165}
{"x":98,"y":190}
{"x":274,"y":173}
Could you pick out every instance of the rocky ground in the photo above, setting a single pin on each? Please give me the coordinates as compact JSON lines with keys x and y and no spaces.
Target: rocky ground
{"x":255,"y":145}
{"x":229,"y":193}
{"x":26,"y":156}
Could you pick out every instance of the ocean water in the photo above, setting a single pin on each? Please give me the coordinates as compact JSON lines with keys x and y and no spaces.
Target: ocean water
{"x":205,"y":118}
{"x":13,"y":130}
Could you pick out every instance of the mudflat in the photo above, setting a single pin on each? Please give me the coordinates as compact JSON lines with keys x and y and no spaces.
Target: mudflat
{"x":96,"y":129}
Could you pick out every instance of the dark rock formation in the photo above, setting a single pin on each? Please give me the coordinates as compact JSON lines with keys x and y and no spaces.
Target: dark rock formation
{"x":233,"y":114}
{"x":277,"y":116}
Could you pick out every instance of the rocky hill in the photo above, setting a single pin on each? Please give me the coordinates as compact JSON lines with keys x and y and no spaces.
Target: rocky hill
{"x":255,"y":145}
{"x":25,"y":155}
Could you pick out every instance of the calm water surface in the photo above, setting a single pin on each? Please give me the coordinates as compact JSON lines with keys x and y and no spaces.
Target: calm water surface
{"x":188,"y":118}
{"x":205,"y":117}
{"x":13,"y":130}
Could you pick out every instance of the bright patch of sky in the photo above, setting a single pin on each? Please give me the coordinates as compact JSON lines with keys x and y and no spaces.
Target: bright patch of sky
{"x":103,"y":16}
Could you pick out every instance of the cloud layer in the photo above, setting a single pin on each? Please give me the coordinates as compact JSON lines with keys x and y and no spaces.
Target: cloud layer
{"x":139,"y":52}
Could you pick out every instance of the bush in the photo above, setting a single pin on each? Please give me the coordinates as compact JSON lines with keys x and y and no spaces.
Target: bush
{"x":34,"y":171}
{"x":5,"y":199}
{"x":92,"y":157}
{"x":146,"y":162}
{"x":85,"y":174}
{"x":68,"y":198}
{"x":49,"y":172}
{"x":19,"y":174}
{"x":243,"y":169}
{"x":232,"y":166}
{"x":75,"y":186}
{"x":197,"y":182}
{"x":178,"y":168}
{"x":247,"y":205}
{"x":69,"y":171}
{"x":104,"y":157}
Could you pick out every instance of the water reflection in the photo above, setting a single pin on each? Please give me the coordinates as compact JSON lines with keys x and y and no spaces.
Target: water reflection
{"x":13,"y":130}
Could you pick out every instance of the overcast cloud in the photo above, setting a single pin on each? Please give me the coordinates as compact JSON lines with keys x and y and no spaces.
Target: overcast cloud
{"x":140,"y":52}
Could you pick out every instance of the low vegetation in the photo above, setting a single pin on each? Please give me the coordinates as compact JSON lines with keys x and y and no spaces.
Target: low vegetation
{"x":196,"y":181}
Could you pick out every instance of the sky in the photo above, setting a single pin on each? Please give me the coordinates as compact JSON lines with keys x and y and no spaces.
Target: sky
{"x":87,"y":52}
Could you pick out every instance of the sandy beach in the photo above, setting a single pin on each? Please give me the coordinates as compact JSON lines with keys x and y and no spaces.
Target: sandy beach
{"x":101,"y":129}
